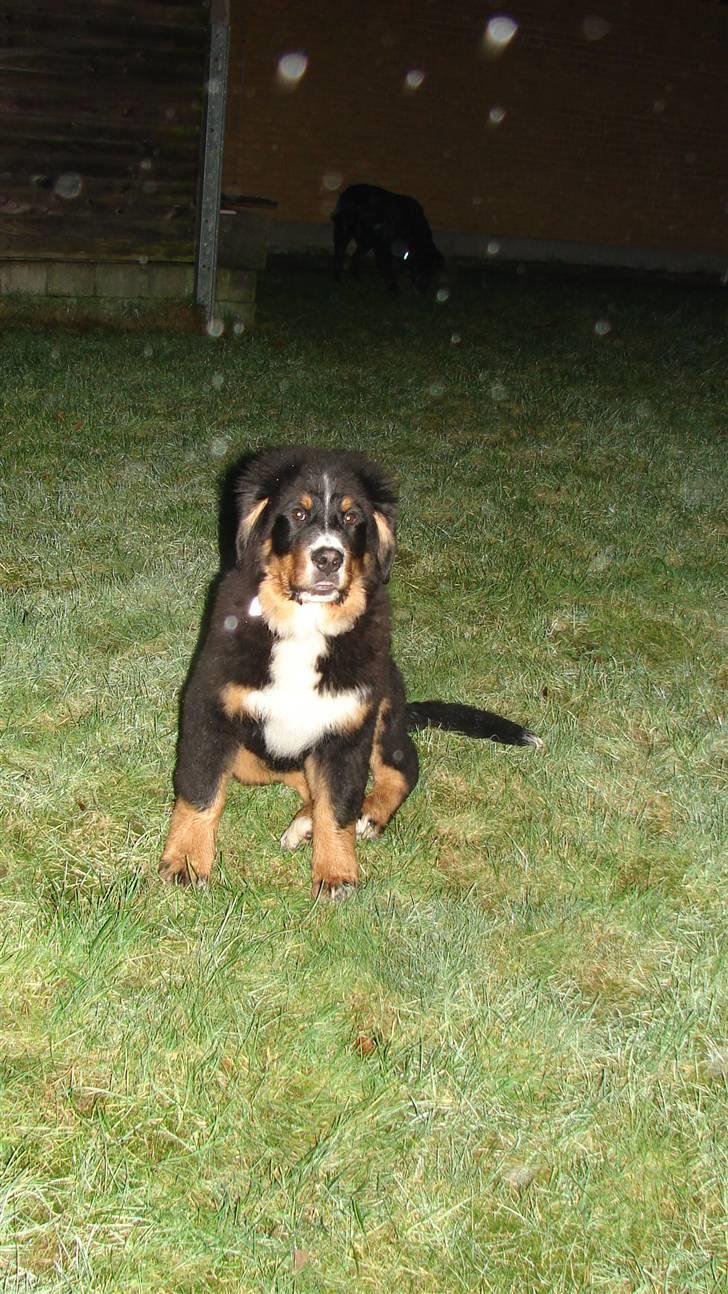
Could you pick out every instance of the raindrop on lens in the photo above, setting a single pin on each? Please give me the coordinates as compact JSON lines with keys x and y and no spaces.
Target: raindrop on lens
{"x":442,"y":295}
{"x":215,"y":327}
{"x":217,"y":380}
{"x":218,"y":446}
{"x":291,"y":67}
{"x":230,"y":623}
{"x":595,"y":28}
{"x":68,"y":185}
{"x":493,"y":247}
{"x":496,"y":115}
{"x":499,"y":32}
{"x":602,"y":327}
{"x":414,"y":79}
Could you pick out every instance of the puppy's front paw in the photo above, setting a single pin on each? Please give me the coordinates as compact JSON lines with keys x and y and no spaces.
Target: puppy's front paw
{"x":182,"y":871}
{"x":333,"y":891}
{"x":297,"y":832}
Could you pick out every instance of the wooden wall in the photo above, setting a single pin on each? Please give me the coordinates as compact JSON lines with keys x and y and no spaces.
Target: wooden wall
{"x":599,"y":125}
{"x":100,"y":114}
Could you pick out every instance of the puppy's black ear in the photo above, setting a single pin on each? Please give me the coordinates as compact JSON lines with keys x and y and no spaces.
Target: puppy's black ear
{"x":246,"y":526}
{"x":384,"y":521}
{"x":383,"y":497}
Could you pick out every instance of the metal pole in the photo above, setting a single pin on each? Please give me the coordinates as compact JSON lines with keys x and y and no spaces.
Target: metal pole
{"x":208,"y":212}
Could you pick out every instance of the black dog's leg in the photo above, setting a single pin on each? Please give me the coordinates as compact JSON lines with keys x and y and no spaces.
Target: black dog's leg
{"x":394,"y":766}
{"x":207,"y":749}
{"x":336,"y":773}
{"x":386,"y":263}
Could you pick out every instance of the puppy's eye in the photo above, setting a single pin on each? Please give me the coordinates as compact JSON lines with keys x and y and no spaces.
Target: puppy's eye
{"x":351,"y":517}
{"x":298,"y":514}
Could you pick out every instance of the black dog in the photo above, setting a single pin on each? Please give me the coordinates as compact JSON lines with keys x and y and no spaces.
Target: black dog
{"x":391,"y":225}
{"x":294,"y":681}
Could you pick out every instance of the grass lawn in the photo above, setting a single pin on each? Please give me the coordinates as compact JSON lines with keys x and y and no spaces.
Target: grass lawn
{"x":503,"y":1065}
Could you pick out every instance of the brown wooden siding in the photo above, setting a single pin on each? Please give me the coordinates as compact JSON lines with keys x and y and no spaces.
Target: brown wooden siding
{"x":100,"y":111}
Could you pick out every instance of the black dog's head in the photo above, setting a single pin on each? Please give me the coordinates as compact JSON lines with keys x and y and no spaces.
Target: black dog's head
{"x":319,"y":527}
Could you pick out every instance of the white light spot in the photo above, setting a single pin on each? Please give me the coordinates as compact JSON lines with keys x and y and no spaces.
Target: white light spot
{"x":213,"y":86}
{"x":442,"y":295}
{"x":332,"y":181}
{"x":603,"y":559}
{"x":498,"y":392}
{"x":496,"y":115}
{"x":143,"y":260}
{"x":436,"y":389}
{"x":499,"y":33}
{"x":145,"y":164}
{"x":230,"y":623}
{"x":602,"y":327}
{"x":148,"y":351}
{"x":219,"y":446}
{"x":215,"y":327}
{"x":595,"y":28}
{"x":455,"y":339}
{"x":217,"y":380}
{"x":291,"y":67}
{"x":238,"y":327}
{"x":493,"y":247}
{"x":414,"y":79}
{"x":68,"y":185}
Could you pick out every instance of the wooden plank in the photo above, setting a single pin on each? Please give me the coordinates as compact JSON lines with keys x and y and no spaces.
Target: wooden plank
{"x":131,"y":239}
{"x":110,"y":92}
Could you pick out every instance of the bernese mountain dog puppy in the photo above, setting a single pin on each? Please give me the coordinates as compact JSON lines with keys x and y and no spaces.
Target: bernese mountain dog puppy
{"x":294,"y":681}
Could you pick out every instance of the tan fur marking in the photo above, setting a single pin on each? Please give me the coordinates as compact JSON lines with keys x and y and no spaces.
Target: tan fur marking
{"x":306,"y":502}
{"x":247,"y":523}
{"x":385,"y":532}
{"x":190,"y":848}
{"x":346,"y":503}
{"x":334,"y":853}
{"x":340,"y":616}
{"x":234,"y":700}
{"x":390,"y":786}
{"x":252,"y":771}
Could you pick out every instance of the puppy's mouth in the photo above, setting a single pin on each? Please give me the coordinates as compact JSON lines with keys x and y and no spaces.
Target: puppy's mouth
{"x":322,"y":591}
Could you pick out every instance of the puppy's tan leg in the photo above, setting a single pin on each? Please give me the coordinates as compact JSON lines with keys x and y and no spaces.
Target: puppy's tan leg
{"x":190,"y":849}
{"x":334,"y":868}
{"x":393,"y":767}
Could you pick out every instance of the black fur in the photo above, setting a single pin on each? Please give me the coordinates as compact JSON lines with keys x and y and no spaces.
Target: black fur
{"x":393,"y":226}
{"x":293,"y":678}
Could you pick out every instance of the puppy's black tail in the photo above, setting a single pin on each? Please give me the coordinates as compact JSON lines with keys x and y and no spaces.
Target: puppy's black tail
{"x":469,"y":721}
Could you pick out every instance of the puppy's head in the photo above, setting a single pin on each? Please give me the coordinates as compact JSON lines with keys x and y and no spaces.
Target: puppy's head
{"x":318,"y":525}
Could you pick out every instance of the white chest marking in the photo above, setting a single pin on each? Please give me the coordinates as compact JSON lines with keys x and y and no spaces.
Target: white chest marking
{"x":293,"y":713}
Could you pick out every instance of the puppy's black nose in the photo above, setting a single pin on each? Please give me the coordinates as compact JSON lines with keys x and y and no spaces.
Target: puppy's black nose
{"x":327,"y":560}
